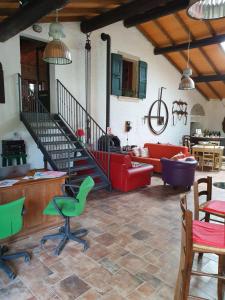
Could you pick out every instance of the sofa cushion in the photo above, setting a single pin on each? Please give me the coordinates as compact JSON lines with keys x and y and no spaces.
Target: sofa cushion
{"x":165,"y":150}
{"x":144,"y":152}
{"x":136,"y":152}
{"x":178,"y":156}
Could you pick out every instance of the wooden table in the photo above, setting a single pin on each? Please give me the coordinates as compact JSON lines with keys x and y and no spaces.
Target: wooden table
{"x":37,"y":194}
{"x":217,"y":150}
{"x":196,"y":140}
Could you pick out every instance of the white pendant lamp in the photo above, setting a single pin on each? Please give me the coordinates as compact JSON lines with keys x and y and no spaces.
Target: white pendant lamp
{"x":56,"y":52}
{"x":186,"y":82}
{"x":206,"y":9}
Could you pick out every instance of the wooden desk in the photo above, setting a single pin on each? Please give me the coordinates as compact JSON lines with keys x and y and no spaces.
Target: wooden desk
{"x":38,"y":193}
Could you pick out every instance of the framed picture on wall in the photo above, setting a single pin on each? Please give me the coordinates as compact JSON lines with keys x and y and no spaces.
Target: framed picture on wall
{"x":2,"y":88}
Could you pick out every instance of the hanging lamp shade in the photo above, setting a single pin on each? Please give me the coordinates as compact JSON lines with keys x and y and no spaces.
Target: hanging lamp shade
{"x":206,"y":9}
{"x":56,"y":52}
{"x":186,"y":82}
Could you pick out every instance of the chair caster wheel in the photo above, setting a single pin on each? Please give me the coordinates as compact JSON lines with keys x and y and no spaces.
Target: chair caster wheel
{"x":27,"y":258}
{"x":62,"y":229}
{"x":56,"y":253}
{"x":4,"y":249}
{"x":43,"y":242}
{"x":12,"y":275}
{"x":86,"y":246}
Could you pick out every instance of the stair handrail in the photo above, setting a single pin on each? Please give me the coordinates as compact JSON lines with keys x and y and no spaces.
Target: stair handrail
{"x":78,"y":103}
{"x":89,"y":119}
{"x":40,"y":104}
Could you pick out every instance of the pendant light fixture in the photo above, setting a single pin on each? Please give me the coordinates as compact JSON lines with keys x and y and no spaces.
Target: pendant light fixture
{"x":186,"y":82}
{"x":206,"y":9}
{"x":56,"y":52}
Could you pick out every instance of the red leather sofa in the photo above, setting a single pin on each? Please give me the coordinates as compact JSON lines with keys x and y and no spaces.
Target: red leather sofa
{"x":157,"y":151}
{"x":123,"y":176}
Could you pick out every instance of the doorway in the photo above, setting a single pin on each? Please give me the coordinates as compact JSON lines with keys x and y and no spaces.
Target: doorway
{"x":34,"y":71}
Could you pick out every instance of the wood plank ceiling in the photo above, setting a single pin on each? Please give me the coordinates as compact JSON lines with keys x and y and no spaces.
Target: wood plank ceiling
{"x":209,"y":60}
{"x":165,"y":31}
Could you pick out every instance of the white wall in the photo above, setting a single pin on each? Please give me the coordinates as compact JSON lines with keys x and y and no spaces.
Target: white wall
{"x":71,"y":75}
{"x":131,"y":41}
{"x":215,"y":110}
{"x":160,"y":73}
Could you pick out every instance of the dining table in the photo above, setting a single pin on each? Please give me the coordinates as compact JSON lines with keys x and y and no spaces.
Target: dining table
{"x":216,"y":150}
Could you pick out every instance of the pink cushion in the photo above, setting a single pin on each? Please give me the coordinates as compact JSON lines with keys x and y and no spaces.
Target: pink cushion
{"x":215,"y":206}
{"x":209,"y":234}
{"x":178,"y":156}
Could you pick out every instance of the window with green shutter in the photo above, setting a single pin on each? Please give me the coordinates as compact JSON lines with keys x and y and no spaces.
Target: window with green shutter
{"x":129,"y":77}
{"x":142,"y":79}
{"x":117,"y":74}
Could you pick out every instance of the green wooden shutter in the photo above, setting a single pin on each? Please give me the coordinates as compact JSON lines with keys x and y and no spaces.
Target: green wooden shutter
{"x":117,"y":74}
{"x":142,"y":79}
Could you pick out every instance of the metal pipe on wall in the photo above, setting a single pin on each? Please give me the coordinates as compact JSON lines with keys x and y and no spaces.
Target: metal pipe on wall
{"x":107,"y":38}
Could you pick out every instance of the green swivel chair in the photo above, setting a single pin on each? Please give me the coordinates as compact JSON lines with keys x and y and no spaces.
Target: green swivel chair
{"x":68,"y":207}
{"x":11,"y":222}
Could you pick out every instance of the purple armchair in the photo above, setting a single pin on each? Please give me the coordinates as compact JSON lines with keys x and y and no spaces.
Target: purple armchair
{"x":178,"y":173}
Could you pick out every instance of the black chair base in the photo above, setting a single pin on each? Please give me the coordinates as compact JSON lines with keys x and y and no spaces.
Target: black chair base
{"x":66,"y":235}
{"x":4,"y":257}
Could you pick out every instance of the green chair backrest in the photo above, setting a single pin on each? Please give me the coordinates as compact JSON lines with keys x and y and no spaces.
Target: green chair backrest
{"x":84,"y":190}
{"x":11,"y":219}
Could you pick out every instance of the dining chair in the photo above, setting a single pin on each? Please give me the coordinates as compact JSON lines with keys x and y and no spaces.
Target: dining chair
{"x":198,"y":156}
{"x":198,"y":237}
{"x":203,"y":188}
{"x":208,"y":159}
{"x":218,"y":160}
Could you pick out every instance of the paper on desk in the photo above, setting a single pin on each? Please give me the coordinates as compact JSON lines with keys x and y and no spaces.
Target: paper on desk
{"x":7,"y":182}
{"x":48,"y":174}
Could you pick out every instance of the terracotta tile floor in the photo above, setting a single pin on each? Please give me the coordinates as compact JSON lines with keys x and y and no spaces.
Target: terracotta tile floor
{"x":134,"y":253}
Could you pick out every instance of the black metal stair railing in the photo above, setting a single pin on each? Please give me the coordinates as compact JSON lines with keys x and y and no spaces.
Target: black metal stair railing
{"x":44,"y":129}
{"x":76,"y":117}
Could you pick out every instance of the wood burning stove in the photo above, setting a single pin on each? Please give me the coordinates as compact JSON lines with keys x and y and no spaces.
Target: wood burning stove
{"x":109,"y":143}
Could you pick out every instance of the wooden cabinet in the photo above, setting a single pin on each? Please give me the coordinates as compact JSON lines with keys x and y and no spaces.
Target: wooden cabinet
{"x":38,"y":193}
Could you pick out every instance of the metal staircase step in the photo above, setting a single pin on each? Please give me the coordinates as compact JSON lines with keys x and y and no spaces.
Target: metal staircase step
{"x":79,"y":168}
{"x":82,"y":177}
{"x":57,"y":143}
{"x":65,"y":150}
{"x":100,"y":186}
{"x":50,"y":134}
{"x":40,"y":127}
{"x":65,"y":159}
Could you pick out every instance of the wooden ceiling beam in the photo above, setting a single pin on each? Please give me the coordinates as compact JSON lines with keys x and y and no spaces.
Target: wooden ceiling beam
{"x":154,"y":43}
{"x":64,"y":11}
{"x":194,"y":44}
{"x":120,"y":13}
{"x":27,"y":16}
{"x":203,"y":52}
{"x":51,"y":19}
{"x":209,"y":78}
{"x":194,"y":67}
{"x":156,"y":13}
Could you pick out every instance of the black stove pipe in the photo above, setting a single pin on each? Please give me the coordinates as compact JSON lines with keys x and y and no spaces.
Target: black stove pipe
{"x":107,"y":38}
